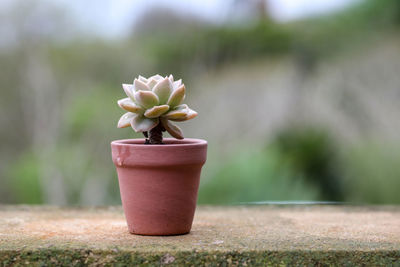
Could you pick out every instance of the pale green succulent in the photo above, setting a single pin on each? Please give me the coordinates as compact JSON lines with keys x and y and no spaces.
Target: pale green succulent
{"x":153,"y":101}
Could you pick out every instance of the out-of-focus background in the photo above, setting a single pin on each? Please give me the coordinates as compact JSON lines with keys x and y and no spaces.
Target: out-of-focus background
{"x":298,"y":99}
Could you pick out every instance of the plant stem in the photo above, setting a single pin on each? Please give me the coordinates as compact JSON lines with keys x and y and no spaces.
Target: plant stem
{"x":155,"y":134}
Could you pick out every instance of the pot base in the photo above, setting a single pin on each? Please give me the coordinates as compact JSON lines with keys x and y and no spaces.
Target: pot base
{"x":153,"y":234}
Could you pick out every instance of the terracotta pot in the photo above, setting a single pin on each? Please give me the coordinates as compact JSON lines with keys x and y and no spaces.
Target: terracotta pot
{"x":159,"y":183}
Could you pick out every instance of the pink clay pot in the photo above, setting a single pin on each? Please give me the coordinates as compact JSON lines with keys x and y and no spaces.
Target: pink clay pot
{"x":159,"y":183}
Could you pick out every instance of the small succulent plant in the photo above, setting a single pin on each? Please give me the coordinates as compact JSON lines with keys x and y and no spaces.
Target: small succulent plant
{"x":152,"y":104}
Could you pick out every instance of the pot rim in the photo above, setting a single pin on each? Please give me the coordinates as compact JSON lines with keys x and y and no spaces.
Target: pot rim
{"x":169,"y":142}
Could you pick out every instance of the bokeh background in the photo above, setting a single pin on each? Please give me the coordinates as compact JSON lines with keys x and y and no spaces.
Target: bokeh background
{"x":299,"y":100}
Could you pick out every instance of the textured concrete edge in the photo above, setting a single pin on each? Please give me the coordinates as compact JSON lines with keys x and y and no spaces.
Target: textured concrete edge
{"x":79,"y":257}
{"x":255,"y":205}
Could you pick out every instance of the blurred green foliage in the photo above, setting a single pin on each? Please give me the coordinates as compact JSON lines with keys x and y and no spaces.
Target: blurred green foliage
{"x":311,"y":153}
{"x":212,"y":46}
{"x":372,"y":173}
{"x":255,"y":176}
{"x":24,"y":179}
{"x":305,"y":163}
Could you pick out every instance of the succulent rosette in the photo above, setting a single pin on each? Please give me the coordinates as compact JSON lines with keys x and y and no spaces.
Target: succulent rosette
{"x":154,"y":101}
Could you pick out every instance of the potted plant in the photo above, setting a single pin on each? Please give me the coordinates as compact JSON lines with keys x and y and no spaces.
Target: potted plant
{"x":158,"y":177}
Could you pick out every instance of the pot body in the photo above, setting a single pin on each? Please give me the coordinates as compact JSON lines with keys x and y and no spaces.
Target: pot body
{"x":159,"y":183}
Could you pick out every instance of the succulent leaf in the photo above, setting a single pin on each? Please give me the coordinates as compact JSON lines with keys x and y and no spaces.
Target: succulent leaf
{"x":177,"y":115}
{"x":157,"y":77}
{"x":128,"y":89}
{"x":191,"y":114}
{"x":125,"y":120}
{"x":146,"y":99}
{"x":163,"y":90}
{"x":177,"y":96}
{"x":181,"y":106}
{"x":171,"y":78}
{"x":129,"y":105}
{"x":152,"y":101}
{"x":156,"y":111}
{"x":142,"y":79}
{"x":172,"y":129}
{"x":151,"y":83}
{"x":176,"y":84}
{"x":142,"y":124}
{"x":181,"y":113}
{"x":140,"y":86}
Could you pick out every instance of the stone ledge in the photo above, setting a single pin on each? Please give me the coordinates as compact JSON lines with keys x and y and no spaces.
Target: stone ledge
{"x":256,"y":235}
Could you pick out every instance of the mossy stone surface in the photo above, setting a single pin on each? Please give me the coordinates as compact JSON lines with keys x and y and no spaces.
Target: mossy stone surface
{"x":238,"y":235}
